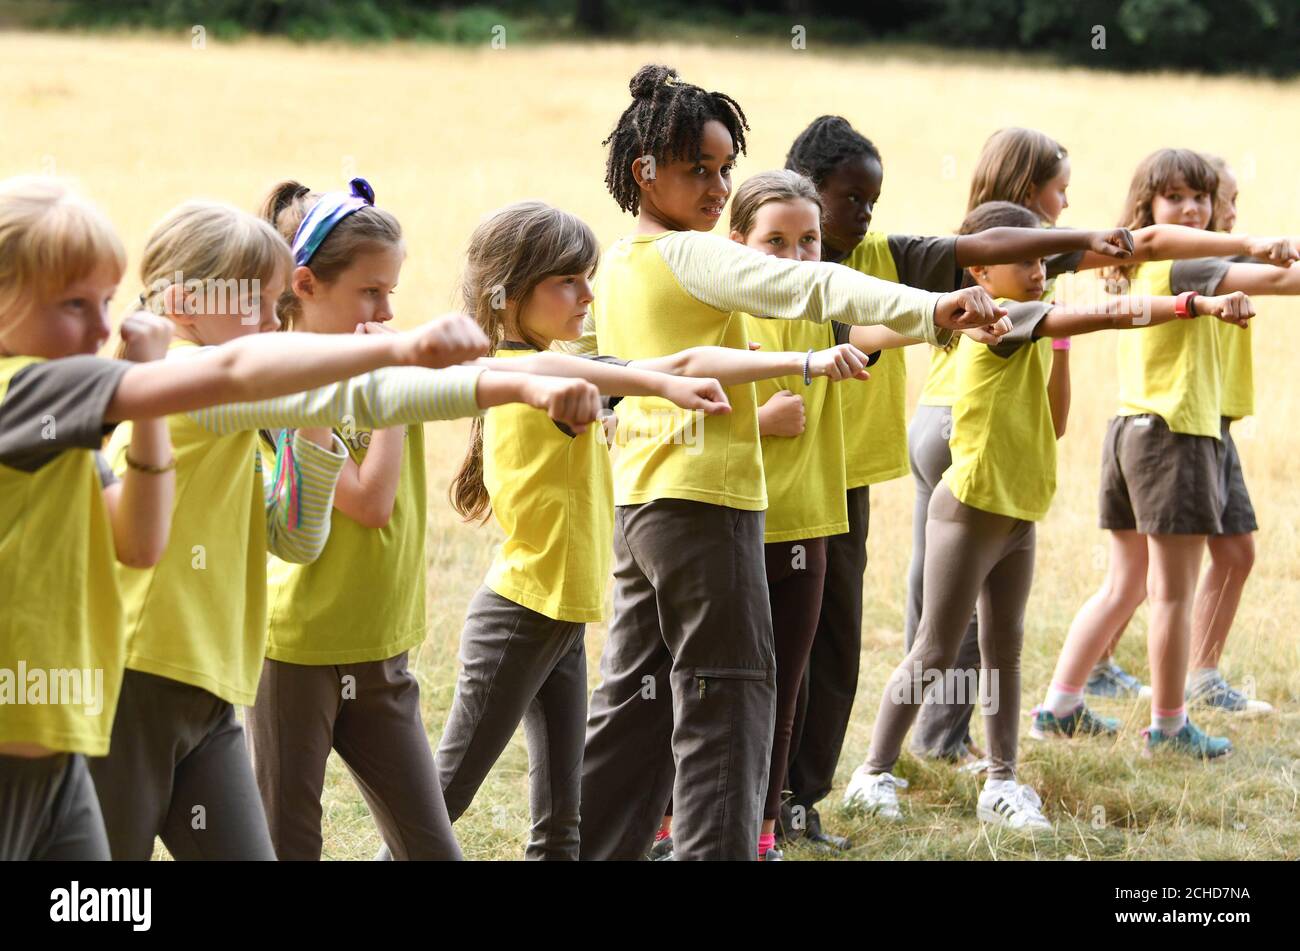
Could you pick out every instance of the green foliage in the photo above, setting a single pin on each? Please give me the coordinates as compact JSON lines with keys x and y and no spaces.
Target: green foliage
{"x":1253,"y":36}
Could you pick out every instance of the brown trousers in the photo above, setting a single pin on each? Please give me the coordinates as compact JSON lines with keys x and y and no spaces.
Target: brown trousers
{"x":971,"y":557}
{"x":49,"y":811}
{"x":687,"y":681}
{"x":370,"y":714}
{"x":518,"y":665}
{"x":178,"y":769}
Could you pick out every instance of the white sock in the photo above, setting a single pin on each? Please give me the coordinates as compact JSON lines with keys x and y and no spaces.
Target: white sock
{"x":1201,"y":677}
{"x":1063,"y":699}
{"x":1168,"y":722}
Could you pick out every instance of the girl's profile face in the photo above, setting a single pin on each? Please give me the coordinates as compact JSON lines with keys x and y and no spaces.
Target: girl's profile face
{"x":1048,"y":200}
{"x":556,"y":308}
{"x":1228,"y":192}
{"x":849,"y":196}
{"x":1177,"y":204}
{"x":689,"y":195}
{"x":785,"y":229}
{"x":74,"y":322}
{"x":362,"y":293}
{"x":1024,"y":281}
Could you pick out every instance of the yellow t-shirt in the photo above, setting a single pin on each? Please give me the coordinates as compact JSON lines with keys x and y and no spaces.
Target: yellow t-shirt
{"x":805,"y":473}
{"x":62,"y":642}
{"x":1003,"y":441}
{"x":1173,"y":370}
{"x":552,"y":494}
{"x":363,"y":599}
{"x":665,"y":452}
{"x":875,"y":410}
{"x":199,"y":615}
{"x":940,"y":387}
{"x":1237,"y":377}
{"x":662,"y":293}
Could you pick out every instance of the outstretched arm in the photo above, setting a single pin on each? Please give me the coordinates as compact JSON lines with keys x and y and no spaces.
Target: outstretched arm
{"x":1011,"y":245}
{"x":1124,"y":313}
{"x":261,"y":366}
{"x":615,"y":379}
{"x":1177,"y":243}
{"x":731,"y":366}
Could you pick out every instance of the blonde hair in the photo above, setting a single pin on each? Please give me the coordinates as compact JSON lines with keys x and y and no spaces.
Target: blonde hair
{"x":287,"y":204}
{"x":1013,"y":163}
{"x":1154,"y":174}
{"x":207,"y":241}
{"x":510,"y":253}
{"x":50,"y":237}
{"x":777,"y":185}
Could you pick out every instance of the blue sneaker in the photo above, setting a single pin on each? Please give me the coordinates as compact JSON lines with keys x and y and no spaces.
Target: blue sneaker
{"x":1082,"y":722}
{"x":1109,"y":679}
{"x":1219,"y":694}
{"x":1190,"y":740}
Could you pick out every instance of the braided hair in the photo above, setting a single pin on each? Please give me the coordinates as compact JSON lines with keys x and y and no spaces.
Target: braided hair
{"x":665,"y":120}
{"x":827,"y":143}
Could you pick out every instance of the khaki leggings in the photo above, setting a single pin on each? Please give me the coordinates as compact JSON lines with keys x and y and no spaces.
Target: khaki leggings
{"x":971,"y":557}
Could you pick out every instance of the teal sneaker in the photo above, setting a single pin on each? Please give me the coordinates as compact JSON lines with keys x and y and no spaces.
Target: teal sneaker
{"x":1109,"y":679}
{"x":1082,"y":722}
{"x":1221,"y":695}
{"x":1190,"y":741}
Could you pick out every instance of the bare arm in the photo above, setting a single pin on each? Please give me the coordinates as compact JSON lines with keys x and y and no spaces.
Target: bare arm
{"x":366,"y":493}
{"x":871,"y":339}
{"x":1010,"y":245}
{"x":140,"y":506}
{"x":1177,"y":243}
{"x":1260,"y":279}
{"x":262,"y":366}
{"x":730,"y":366}
{"x":1058,"y":390}
{"x":1122,"y":313}
{"x":632,"y":380}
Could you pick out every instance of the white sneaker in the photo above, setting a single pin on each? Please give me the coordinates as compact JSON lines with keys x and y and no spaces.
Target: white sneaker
{"x":876,"y":793}
{"x":1004,"y":802}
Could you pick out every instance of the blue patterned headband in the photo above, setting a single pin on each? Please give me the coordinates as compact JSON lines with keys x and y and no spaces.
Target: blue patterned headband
{"x":332,"y":208}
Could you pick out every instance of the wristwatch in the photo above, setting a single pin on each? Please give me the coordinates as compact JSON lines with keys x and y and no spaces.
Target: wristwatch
{"x":1185,"y":305}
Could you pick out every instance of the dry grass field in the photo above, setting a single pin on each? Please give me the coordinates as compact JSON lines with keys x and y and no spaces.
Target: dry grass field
{"x":446,"y":135}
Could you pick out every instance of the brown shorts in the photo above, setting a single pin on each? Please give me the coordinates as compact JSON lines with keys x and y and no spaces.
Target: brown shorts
{"x":1160,"y":482}
{"x":1238,"y":515}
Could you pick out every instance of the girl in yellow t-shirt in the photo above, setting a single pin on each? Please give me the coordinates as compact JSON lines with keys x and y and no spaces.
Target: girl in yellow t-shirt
{"x":848,"y":171}
{"x":551,"y":490}
{"x":196,"y":622}
{"x":688,"y":525}
{"x":67,"y":517}
{"x":1025,"y":167}
{"x":780,"y":213}
{"x":339,"y":628}
{"x":1012,"y":403}
{"x":1172,"y":389}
